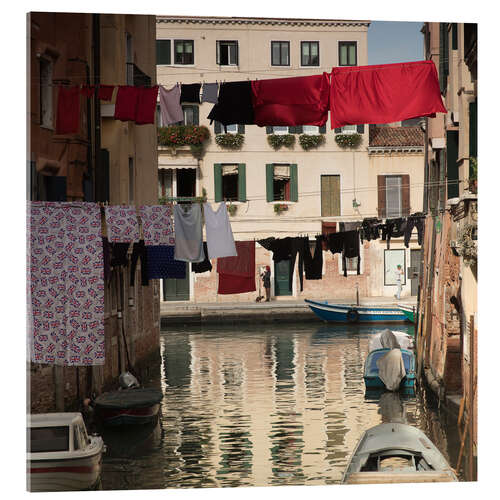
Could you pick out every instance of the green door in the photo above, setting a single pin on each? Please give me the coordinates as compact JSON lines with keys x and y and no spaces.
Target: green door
{"x":176,"y":289}
{"x":282,"y":278}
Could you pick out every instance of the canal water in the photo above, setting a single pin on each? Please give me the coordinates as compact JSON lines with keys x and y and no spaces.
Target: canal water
{"x":263,"y":405}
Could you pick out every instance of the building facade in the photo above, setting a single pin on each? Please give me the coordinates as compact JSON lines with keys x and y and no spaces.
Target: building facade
{"x":106,"y":161}
{"x":447,"y":330}
{"x":289,"y":189}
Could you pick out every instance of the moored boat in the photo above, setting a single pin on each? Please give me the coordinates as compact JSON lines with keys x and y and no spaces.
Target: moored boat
{"x":396,"y":453}
{"x":408,"y":311}
{"x":399,"y":365}
{"x":61,"y":455}
{"x":133,"y":406}
{"x":347,"y":313}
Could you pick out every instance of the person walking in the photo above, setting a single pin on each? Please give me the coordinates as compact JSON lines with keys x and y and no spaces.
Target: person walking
{"x":266,"y":278}
{"x":399,"y":274}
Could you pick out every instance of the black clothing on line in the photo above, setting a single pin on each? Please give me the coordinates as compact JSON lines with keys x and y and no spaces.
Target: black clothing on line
{"x":205,"y":265}
{"x":266,"y":243}
{"x":299,"y":245}
{"x":314,"y":264}
{"x":370,"y":229}
{"x":335,"y":242}
{"x":394,"y":228}
{"x":190,"y":92}
{"x":351,"y":249}
{"x":139,"y":252}
{"x":411,"y":222}
{"x":235,"y":104}
{"x":119,"y":253}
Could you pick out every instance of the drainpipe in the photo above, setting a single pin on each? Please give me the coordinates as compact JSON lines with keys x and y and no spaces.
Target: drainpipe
{"x":96,"y":59}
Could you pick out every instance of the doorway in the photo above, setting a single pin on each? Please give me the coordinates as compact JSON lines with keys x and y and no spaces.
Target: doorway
{"x":176,"y":289}
{"x":282,"y":278}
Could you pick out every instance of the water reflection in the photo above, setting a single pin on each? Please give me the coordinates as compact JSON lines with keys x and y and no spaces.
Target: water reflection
{"x":264,"y":405}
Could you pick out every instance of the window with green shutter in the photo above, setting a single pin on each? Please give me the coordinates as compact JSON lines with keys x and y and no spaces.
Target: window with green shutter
{"x":163,"y":52}
{"x":229,"y":182}
{"x":281,"y":182}
{"x":330,"y":195}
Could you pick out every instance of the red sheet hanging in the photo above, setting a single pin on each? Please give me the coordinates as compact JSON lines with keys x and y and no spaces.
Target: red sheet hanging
{"x":301,"y":100}
{"x":384,"y":93}
{"x":146,"y":105}
{"x":126,"y":103}
{"x":68,"y":110}
{"x":237,"y":274}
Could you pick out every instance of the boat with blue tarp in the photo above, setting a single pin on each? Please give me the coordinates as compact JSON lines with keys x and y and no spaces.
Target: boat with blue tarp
{"x":351,"y":313}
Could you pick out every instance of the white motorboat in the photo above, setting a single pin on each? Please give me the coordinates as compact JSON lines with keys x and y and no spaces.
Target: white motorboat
{"x":61,"y":456}
{"x":396,"y":453}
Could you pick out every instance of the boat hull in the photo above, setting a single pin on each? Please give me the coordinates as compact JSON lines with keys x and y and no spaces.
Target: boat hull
{"x":344,"y":313}
{"x":374,"y":382}
{"x":408,"y":312}
{"x":64,"y":474}
{"x":128,"y":416}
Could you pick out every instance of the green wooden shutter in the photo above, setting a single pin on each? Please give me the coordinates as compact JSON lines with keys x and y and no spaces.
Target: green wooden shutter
{"x":269,"y":130}
{"x":242,"y":182}
{"x":454,"y":36}
{"x":338,"y":130}
{"x":241,"y":128}
{"x":196,"y":115}
{"x":292,"y":130}
{"x":322,"y":129}
{"x":299,"y":129}
{"x":451,"y":163}
{"x":217,"y":128}
{"x":218,"y":182}
{"x":360,"y":129}
{"x":294,"y":184}
{"x":269,"y":182}
{"x":473,"y":129}
{"x":330,"y":195}
{"x":162,"y":51}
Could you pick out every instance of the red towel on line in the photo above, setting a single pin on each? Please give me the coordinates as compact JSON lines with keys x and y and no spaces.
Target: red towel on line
{"x":384,"y":93}
{"x":146,"y":105}
{"x":68,"y":110}
{"x":301,"y":100}
{"x":87,"y":90}
{"x":105,"y":92}
{"x":237,"y":274}
{"x":126,"y":103}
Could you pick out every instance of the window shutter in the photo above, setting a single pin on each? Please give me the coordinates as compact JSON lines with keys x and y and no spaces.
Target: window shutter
{"x":360,"y":129}
{"x":294,"y":187}
{"x":292,"y":130}
{"x":322,"y":129}
{"x":196,"y":115}
{"x":162,"y":51}
{"x":451,"y":163}
{"x":241,"y":128}
{"x":269,"y":130}
{"x":217,"y":127}
{"x":242,"y":182}
{"x":237,"y":54}
{"x":338,"y":130}
{"x":102,"y":177}
{"x":299,"y":129}
{"x":381,"y":195}
{"x":405,"y":195}
{"x":218,"y":182}
{"x":473,"y":129}
{"x":269,"y":182}
{"x":217,"y":53}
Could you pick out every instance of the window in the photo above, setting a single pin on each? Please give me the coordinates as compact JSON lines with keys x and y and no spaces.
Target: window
{"x":281,"y":182}
{"x":280,"y":53}
{"x":46,"y":102}
{"x":230,"y":182}
{"x":279,"y":130}
{"x":131,"y":189}
{"x":393,"y":196}
{"x":163,"y":52}
{"x":393,"y":258}
{"x":191,"y":115}
{"x":165,"y":182}
{"x":348,"y":54}
{"x":231,"y":129}
{"x":349,"y":129}
{"x":330,"y":195}
{"x":351,"y":264}
{"x":227,"y":53}
{"x":310,"y":129}
{"x":47,"y":439}
{"x":309,"y":53}
{"x":184,"y":51}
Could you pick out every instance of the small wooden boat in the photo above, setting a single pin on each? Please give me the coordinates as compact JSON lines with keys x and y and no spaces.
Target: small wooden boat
{"x":372,"y":374}
{"x":396,"y":453}
{"x":134,"y":406}
{"x":408,"y":311}
{"x":61,"y":455}
{"x":346,"y":313}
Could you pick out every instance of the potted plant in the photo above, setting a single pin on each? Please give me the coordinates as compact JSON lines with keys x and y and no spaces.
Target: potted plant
{"x":348,"y":140}
{"x":308,"y":141}
{"x":230,"y":141}
{"x":184,"y":135}
{"x":232,"y":209}
{"x":279,"y":208}
{"x":473,"y":175}
{"x":276,"y":141}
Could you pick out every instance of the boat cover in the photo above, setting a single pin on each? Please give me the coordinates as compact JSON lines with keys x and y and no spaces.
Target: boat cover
{"x":387,"y":339}
{"x":129,"y":398}
{"x":391,"y":369}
